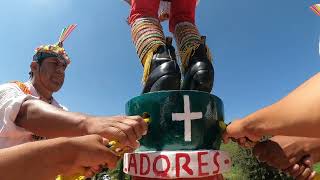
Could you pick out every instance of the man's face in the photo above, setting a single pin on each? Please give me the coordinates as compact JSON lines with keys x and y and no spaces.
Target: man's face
{"x":51,"y":73}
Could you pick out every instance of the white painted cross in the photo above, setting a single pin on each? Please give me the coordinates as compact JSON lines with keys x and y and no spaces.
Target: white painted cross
{"x":187,"y":116}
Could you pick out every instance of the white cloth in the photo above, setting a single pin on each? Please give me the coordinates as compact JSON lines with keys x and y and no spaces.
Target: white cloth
{"x":11,"y":99}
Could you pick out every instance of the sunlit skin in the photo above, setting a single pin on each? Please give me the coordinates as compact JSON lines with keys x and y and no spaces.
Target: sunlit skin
{"x":46,"y":120}
{"x":48,"y":77}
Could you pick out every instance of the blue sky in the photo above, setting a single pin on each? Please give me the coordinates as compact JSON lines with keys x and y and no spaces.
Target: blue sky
{"x":262,"y":49}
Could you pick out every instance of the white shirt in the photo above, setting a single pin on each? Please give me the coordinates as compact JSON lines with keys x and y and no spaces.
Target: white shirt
{"x":11,"y":99}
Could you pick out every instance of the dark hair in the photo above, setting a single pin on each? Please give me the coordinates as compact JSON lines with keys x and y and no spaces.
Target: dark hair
{"x":39,"y":57}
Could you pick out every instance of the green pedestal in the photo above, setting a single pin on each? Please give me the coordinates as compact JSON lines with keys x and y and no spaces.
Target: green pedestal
{"x":169,"y":129}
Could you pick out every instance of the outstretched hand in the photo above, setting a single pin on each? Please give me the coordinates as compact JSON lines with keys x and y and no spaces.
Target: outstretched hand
{"x":302,"y":170}
{"x":240,"y":132}
{"x":294,"y":155}
{"x":126,"y":130}
{"x":88,"y":153}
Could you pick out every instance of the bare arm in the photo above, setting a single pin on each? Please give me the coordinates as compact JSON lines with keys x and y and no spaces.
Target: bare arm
{"x":44,"y":160}
{"x":46,"y":120}
{"x":38,"y":160}
{"x":297,"y":114}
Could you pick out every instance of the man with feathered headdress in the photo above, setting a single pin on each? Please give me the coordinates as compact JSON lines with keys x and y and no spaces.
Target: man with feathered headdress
{"x":28,"y":111}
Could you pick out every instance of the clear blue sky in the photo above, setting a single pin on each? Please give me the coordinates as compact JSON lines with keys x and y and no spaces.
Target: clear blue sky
{"x":262,"y":49}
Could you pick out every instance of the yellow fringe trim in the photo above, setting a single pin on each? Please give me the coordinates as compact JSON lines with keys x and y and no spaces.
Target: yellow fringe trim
{"x":146,"y":62}
{"x":317,"y":177}
{"x":185,"y":55}
{"x":74,"y":177}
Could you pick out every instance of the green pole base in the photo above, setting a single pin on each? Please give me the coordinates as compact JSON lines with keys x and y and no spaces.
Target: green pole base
{"x":170,"y":129}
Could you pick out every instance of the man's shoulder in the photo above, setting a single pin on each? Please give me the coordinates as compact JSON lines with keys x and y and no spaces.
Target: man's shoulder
{"x":9,"y":92}
{"x":9,"y":87}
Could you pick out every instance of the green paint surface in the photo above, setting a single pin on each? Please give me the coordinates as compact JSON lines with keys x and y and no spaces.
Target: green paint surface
{"x":166,"y":134}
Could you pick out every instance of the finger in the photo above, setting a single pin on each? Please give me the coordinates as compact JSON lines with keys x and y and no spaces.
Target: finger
{"x":96,"y":169}
{"x":313,"y":175}
{"x":305,"y":174}
{"x":300,"y":156}
{"x":109,"y":158}
{"x":137,"y":128}
{"x":105,"y":141}
{"x":89,"y":174}
{"x":307,"y":161}
{"x":296,"y":170}
{"x":225,"y":138}
{"x":141,"y":122}
{"x":124,"y":134}
{"x":131,"y":133}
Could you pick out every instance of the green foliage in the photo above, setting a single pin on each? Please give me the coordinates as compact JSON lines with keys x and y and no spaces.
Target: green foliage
{"x":246,"y":166}
{"x":317,"y":167}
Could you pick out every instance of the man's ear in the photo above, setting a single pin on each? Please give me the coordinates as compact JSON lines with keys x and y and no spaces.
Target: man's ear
{"x":34,"y":66}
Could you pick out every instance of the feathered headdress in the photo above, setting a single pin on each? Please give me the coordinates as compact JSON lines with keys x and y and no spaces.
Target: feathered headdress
{"x":55,"y":50}
{"x":316,"y":9}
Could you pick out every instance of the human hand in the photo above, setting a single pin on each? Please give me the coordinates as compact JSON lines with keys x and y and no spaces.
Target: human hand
{"x":282,"y":152}
{"x":88,"y":154}
{"x":302,"y":170}
{"x":239,"y":131}
{"x":124,"y":129}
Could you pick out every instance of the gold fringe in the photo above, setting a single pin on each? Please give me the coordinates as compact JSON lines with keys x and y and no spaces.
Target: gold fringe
{"x":73,"y":177}
{"x":186,"y":55}
{"x":146,"y":62}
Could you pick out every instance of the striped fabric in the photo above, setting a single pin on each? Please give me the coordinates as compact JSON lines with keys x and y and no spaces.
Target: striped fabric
{"x":188,"y":39}
{"x":147,"y":35}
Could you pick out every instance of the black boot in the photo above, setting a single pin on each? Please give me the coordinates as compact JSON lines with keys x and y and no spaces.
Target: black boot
{"x":164,"y":70}
{"x":199,"y":73}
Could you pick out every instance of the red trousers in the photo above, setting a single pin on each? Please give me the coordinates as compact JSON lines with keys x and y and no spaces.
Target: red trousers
{"x":181,"y":11}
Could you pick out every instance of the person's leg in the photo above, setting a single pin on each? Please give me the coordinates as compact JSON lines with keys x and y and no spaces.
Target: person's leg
{"x":195,"y":56}
{"x":182,"y":25}
{"x":150,"y":43}
{"x":143,"y":8}
{"x":182,"y":11}
{"x":146,"y":30}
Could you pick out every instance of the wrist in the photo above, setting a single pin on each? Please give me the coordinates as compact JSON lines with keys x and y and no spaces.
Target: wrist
{"x":252,"y":125}
{"x":84,"y":125}
{"x":312,"y":147}
{"x":63,"y":154}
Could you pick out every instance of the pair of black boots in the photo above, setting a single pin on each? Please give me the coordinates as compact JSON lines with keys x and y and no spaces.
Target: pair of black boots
{"x":165,"y":72}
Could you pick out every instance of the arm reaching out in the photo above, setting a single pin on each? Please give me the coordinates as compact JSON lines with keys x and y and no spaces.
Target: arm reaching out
{"x":45,"y":159}
{"x":46,"y":120}
{"x":297,"y":114}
